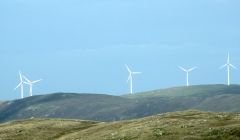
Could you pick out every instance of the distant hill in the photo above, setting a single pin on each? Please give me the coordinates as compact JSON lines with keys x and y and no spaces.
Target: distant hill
{"x":100,"y":107}
{"x":187,"y":125}
{"x":219,"y":98}
{"x":67,"y":105}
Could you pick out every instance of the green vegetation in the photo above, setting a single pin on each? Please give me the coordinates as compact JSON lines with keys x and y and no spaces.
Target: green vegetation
{"x":186,"y":125}
{"x":99,"y":107}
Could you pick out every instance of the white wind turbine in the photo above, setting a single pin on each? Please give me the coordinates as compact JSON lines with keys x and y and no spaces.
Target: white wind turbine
{"x":187,"y":73}
{"x":130,"y":78}
{"x":229,"y":66}
{"x":20,"y":84}
{"x":30,"y":83}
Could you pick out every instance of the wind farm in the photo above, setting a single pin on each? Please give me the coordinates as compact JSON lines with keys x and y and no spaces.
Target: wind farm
{"x":25,"y":80}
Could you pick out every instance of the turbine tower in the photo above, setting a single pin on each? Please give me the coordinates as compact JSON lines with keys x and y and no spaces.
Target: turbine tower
{"x":30,"y":83}
{"x":229,"y":66}
{"x":187,"y":73}
{"x":130,"y":78}
{"x":20,"y":84}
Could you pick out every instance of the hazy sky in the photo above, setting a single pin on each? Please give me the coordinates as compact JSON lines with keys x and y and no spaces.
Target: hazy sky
{"x":82,"y":45}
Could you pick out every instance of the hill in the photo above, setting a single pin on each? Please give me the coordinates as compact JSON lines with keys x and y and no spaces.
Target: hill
{"x":218,"y":98}
{"x":66,"y":105}
{"x":100,"y":107}
{"x":187,"y":125}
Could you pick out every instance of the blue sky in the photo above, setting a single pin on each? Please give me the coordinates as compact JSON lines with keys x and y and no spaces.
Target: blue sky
{"x":82,"y":45}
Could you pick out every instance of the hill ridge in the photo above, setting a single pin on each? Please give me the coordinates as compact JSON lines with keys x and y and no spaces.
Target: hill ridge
{"x":102,"y":107}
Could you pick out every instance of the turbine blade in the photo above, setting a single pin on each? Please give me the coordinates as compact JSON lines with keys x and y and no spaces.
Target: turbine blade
{"x":18,"y":86}
{"x":223,"y":66}
{"x":182,"y":68}
{"x":231,"y":65}
{"x":20,"y":75}
{"x":129,"y":77}
{"x":26,"y":79}
{"x":193,"y":68}
{"x":136,"y":72}
{"x":33,"y":82}
{"x":128,"y":68}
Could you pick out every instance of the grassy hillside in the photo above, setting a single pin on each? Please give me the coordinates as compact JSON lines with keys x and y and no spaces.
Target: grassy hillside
{"x":66,"y":105}
{"x":99,"y":107}
{"x":219,"y":98}
{"x":187,"y":125}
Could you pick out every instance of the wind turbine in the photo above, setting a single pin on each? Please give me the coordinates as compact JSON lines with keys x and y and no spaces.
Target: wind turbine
{"x":30,"y":83}
{"x":130,"y":78}
{"x":20,"y":84}
{"x":187,"y":72}
{"x":229,"y":66}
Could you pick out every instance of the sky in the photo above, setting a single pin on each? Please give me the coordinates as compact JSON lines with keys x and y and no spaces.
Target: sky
{"x":81,"y":46}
